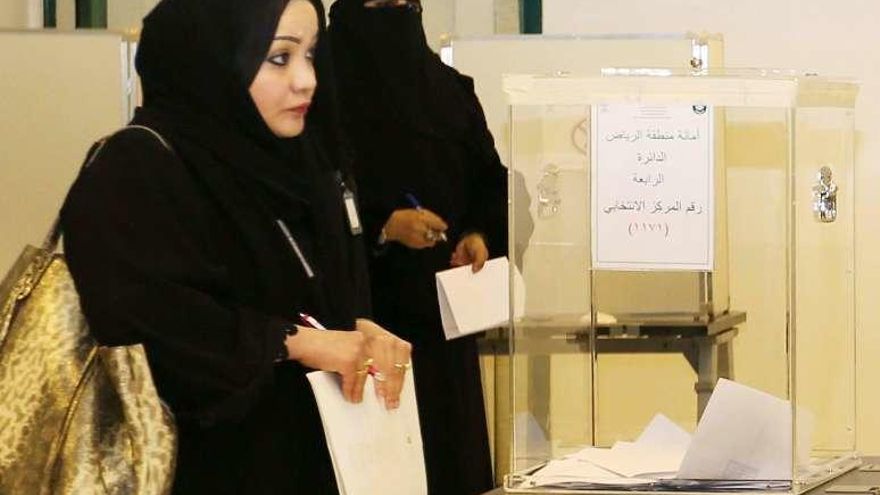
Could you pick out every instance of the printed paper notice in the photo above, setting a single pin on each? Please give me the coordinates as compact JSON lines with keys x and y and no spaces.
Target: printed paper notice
{"x":652,"y":187}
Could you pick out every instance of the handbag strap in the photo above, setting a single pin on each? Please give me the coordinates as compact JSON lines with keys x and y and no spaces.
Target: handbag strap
{"x":50,"y":243}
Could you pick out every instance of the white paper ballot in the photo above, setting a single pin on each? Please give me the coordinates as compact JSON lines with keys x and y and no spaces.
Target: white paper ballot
{"x":744,"y":434}
{"x":656,"y":454}
{"x":475,"y":302}
{"x":578,"y":471}
{"x":743,"y":442}
{"x":663,"y":433}
{"x":373,"y":450}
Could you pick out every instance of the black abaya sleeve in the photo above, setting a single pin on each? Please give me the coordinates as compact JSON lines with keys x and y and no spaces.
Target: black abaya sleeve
{"x":136,"y":241}
{"x":487,"y":204}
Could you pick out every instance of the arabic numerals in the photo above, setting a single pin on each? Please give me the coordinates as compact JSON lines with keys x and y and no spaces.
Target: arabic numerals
{"x":653,"y":229}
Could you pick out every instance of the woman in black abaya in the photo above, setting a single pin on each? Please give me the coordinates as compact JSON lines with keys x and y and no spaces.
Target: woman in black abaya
{"x":208,"y":254}
{"x":425,"y":165}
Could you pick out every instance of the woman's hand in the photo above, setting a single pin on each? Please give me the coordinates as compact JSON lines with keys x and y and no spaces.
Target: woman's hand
{"x":470,"y":250}
{"x":353,"y":355}
{"x":333,"y":350}
{"x":415,"y":228}
{"x":391,"y":358}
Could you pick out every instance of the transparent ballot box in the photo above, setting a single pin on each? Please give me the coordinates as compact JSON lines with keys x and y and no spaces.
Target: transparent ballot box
{"x":686,"y":245}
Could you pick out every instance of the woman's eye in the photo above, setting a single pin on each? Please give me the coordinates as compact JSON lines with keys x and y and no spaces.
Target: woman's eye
{"x":280,"y":60}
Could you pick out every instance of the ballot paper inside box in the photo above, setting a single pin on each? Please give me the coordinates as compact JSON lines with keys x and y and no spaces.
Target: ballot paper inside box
{"x":737,"y":186}
{"x":742,"y":443}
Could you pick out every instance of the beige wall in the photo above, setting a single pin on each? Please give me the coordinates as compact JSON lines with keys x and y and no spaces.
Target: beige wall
{"x":20,"y":14}
{"x":51,"y":113}
{"x":125,"y":15}
{"x":13,"y":14}
{"x":121,"y":14}
{"x":477,"y":17}
{"x":828,"y":37}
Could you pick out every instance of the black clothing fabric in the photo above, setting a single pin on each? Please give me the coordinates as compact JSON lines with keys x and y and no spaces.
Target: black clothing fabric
{"x":183,"y":251}
{"x":417,"y":128}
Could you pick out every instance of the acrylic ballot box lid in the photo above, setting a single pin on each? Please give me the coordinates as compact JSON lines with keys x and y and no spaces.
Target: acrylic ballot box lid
{"x":681,"y":227}
{"x":727,"y":87}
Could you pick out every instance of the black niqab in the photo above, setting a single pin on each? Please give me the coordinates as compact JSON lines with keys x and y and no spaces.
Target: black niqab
{"x":387,"y":59}
{"x":419,"y":130}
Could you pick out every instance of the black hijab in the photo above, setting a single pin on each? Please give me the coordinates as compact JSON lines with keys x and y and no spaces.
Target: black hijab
{"x":387,"y":67}
{"x":196,"y":60}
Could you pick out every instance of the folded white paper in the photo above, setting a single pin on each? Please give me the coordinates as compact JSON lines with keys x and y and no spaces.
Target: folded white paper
{"x":576,"y":470}
{"x":656,"y":454}
{"x":745,"y":434}
{"x":373,"y":450}
{"x":663,"y":433}
{"x":474,"y":302}
{"x":743,"y":442}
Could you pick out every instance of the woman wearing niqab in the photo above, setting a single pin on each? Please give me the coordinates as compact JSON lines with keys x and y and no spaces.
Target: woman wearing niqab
{"x":420,"y":139}
{"x":208,"y":252}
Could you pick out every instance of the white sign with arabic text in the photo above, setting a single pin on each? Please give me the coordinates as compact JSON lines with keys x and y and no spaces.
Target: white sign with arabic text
{"x":652,"y":187}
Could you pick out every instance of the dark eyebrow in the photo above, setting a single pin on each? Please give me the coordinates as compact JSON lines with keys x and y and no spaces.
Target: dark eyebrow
{"x":294,"y":39}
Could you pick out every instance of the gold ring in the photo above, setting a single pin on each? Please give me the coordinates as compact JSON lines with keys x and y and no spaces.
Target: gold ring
{"x":402,"y":367}
{"x":365,"y":368}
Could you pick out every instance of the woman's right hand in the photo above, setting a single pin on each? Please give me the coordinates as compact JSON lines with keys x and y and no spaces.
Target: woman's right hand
{"x":415,"y":228}
{"x":342,"y":352}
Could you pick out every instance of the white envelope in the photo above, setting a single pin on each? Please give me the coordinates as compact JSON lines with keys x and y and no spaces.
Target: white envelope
{"x":475,"y":302}
{"x":373,"y":450}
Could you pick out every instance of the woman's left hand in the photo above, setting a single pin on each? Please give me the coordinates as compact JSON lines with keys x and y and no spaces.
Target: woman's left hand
{"x":470,"y":250}
{"x":391,"y":358}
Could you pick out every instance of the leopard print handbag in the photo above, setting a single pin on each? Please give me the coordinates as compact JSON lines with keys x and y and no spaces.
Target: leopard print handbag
{"x":75,"y":417}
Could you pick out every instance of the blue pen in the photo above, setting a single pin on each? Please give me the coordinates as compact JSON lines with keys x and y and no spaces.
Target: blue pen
{"x":413,"y":201}
{"x":431,"y":234}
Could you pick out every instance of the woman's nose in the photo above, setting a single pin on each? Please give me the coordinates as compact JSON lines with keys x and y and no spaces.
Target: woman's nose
{"x":303,"y":78}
